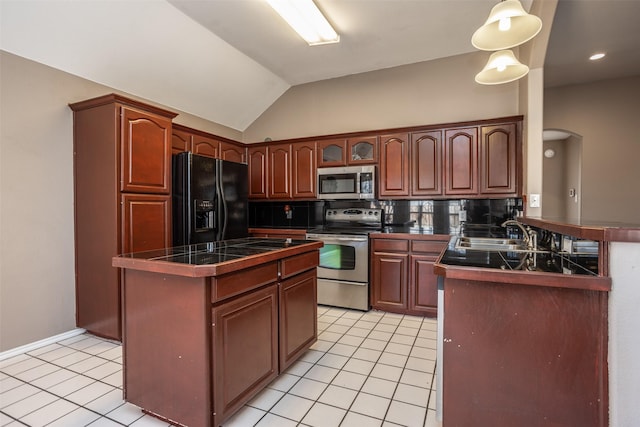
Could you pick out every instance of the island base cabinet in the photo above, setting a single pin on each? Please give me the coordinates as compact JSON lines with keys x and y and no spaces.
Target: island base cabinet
{"x":245,"y":349}
{"x":166,"y":329}
{"x":298,"y":316}
{"x":524,"y":355}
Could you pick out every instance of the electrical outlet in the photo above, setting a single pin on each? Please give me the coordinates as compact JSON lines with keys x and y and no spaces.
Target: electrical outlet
{"x":462,"y":216}
{"x":534,"y":200}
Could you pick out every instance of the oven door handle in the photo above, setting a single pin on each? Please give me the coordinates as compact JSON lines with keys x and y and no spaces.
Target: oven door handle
{"x":325,"y":238}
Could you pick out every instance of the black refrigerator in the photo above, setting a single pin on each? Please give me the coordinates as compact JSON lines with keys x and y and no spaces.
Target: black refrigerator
{"x":209,"y":199}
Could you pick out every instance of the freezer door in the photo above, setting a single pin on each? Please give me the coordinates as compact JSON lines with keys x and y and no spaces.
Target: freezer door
{"x":233,"y":185}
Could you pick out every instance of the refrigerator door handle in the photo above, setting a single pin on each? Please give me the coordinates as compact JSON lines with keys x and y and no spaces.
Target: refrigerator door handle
{"x":222,"y":216}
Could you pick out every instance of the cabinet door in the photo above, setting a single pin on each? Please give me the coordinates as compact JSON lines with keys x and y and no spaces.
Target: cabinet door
{"x":389,"y":281}
{"x":362,"y":150}
{"x":298,"y":316}
{"x":304,"y":170}
{"x":423,"y":289}
{"x":257,"y":172}
{"x":245,"y":349}
{"x":146,"y":222}
{"x":180,"y":141}
{"x":426,"y":161}
{"x":146,"y":152}
{"x":498,"y":159}
{"x":205,"y":146}
{"x":232,"y":153}
{"x":332,"y":153}
{"x":461,"y":161}
{"x":394,"y":165}
{"x":279,"y":186}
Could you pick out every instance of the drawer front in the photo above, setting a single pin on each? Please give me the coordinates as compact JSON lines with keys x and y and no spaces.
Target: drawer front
{"x":237,"y":283}
{"x":299,"y":263}
{"x":428,"y":246}
{"x":391,"y":245}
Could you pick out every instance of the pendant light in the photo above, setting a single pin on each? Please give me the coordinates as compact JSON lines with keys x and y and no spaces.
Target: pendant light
{"x":508,"y":25}
{"x":502,"y":67}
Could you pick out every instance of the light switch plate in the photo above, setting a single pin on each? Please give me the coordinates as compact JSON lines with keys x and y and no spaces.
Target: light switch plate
{"x":534,"y":200}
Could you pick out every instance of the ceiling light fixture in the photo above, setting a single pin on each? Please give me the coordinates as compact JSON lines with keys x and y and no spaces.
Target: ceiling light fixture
{"x":502,"y":67}
{"x":508,"y":25}
{"x":597,"y":56}
{"x":307,"y":20}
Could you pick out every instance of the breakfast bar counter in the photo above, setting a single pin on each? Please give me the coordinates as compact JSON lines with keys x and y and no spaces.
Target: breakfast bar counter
{"x":207,"y":326}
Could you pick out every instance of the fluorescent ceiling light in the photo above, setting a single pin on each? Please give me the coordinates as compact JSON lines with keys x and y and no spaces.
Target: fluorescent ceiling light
{"x":307,"y":20}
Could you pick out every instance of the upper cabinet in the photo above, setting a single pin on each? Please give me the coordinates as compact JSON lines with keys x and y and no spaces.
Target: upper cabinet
{"x":394,"y":165}
{"x":498,"y":159}
{"x":426,"y":163}
{"x":204,"y":144}
{"x":233,"y":152}
{"x":352,"y":151}
{"x":362,"y":150}
{"x":332,"y":152}
{"x":146,"y":152}
{"x":279,"y":168}
{"x":461,"y":161}
{"x":257,"y":172}
{"x":303,"y":170}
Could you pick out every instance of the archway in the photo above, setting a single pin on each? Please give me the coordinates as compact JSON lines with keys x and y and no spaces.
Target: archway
{"x":562,"y":174}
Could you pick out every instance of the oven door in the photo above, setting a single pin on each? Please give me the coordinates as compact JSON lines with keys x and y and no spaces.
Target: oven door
{"x":343,"y":257}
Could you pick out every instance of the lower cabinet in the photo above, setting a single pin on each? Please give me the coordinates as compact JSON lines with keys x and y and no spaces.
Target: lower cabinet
{"x":146,"y":222}
{"x":402,"y":277}
{"x":245,"y":348}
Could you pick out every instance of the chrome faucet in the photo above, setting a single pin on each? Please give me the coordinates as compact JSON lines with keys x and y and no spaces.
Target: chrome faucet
{"x":529,"y":236}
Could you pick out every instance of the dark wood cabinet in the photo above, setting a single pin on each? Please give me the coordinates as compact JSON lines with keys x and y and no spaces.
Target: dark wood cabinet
{"x":180,"y":141}
{"x":223,"y":337}
{"x":402,"y":276}
{"x":362,"y":150}
{"x":205,"y":146}
{"x":332,"y":152}
{"x":145,"y":152}
{"x":233,"y":152}
{"x":298,"y":316}
{"x":426,"y":163}
{"x":257,"y":172}
{"x":461,"y":161}
{"x":498,"y":157}
{"x":303,"y":169}
{"x":245,"y":349}
{"x":394,"y":165}
{"x":146,"y":222}
{"x":122,"y":161}
{"x":389,"y":274}
{"x":279,"y":171}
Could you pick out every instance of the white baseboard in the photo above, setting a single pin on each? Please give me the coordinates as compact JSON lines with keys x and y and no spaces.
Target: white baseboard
{"x":32,"y":346}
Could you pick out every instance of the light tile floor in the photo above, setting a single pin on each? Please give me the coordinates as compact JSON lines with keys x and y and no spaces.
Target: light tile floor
{"x":366,"y":369}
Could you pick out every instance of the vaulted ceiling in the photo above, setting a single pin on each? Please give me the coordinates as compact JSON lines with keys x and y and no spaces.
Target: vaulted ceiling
{"x":228,"y":60}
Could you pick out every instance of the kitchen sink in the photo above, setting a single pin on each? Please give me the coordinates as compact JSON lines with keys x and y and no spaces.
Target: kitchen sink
{"x":491,"y":244}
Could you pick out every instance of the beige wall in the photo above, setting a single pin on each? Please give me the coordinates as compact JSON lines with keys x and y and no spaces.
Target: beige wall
{"x":37,"y":295}
{"x":432,"y":92}
{"x":554,"y":180}
{"x":604,"y":114}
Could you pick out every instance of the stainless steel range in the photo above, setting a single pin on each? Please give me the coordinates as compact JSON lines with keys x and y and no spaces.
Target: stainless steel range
{"x":343,"y":273}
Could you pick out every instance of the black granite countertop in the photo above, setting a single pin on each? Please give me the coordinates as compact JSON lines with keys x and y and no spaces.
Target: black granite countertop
{"x":541,"y":261}
{"x":216,"y":252}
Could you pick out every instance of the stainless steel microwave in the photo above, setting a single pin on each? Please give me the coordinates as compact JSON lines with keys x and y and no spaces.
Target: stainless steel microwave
{"x":347,"y":182}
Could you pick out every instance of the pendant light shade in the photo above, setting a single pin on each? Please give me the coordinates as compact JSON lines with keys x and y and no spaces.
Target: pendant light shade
{"x":508,"y":25}
{"x":502,"y":67}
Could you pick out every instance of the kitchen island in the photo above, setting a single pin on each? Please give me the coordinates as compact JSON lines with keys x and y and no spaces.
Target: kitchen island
{"x":539,"y":337}
{"x":207,"y":326}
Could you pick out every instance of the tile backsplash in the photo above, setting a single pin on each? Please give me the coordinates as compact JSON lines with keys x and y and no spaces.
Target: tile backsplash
{"x":436,"y":216}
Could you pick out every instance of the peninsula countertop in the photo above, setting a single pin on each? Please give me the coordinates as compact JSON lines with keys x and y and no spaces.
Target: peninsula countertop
{"x":214,"y":258}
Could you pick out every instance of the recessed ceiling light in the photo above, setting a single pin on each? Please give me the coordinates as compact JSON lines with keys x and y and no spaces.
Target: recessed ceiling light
{"x":596,"y":56}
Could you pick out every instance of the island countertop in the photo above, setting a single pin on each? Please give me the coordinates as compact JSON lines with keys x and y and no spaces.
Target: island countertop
{"x":214,"y":258}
